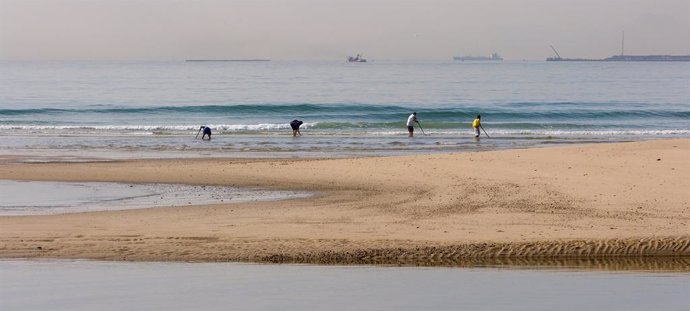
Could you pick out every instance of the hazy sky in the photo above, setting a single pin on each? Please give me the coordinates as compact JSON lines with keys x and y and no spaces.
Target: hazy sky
{"x":332,"y":29}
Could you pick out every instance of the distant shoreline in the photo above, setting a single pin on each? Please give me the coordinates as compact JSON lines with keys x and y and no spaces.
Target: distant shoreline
{"x":626,"y":58}
{"x":227,"y":60}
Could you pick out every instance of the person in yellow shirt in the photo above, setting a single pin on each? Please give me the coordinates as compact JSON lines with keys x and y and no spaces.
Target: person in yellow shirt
{"x":476,"y":124}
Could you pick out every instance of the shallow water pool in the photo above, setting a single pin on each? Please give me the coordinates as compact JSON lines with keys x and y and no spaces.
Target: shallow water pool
{"x":93,"y":285}
{"x":44,"y":197}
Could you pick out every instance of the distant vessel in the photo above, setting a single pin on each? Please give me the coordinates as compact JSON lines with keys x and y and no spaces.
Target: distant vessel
{"x":492,"y":57}
{"x":356,"y":59}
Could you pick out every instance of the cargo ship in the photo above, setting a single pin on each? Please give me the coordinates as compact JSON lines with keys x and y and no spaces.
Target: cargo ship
{"x":492,"y":57}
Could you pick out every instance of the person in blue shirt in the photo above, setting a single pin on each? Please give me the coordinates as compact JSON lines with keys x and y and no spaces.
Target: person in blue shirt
{"x":206,"y":131}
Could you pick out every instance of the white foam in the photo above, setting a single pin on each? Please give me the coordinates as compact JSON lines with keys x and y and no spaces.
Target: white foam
{"x":155,"y":127}
{"x":138,"y":129}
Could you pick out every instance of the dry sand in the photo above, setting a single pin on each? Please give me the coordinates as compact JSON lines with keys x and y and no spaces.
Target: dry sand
{"x":585,"y":202}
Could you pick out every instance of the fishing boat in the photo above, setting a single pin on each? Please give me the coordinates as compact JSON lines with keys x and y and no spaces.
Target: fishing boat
{"x":356,"y":59}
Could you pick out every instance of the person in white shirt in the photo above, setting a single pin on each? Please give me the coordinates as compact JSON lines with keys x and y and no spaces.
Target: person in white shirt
{"x":411,"y":120}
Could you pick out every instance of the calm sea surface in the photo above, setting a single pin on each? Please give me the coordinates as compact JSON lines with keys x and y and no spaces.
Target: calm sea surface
{"x":154,"y":109}
{"x":88,"y":285}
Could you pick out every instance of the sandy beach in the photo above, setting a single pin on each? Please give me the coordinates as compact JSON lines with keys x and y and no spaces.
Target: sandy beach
{"x":566,"y":202}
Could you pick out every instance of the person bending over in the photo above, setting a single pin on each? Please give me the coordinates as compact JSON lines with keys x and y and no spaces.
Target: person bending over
{"x":207,"y":131}
{"x":295,"y":124}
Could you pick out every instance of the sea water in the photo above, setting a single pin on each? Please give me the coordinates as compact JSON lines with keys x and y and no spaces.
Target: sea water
{"x":82,"y":110}
{"x":90,"y":285}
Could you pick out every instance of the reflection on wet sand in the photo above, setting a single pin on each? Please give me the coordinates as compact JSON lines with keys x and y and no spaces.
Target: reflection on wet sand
{"x":637,"y":264}
{"x":668,"y":255}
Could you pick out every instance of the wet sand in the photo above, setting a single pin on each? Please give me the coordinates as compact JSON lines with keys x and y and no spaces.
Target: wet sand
{"x":621,"y":200}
